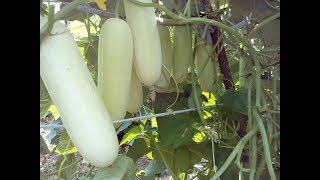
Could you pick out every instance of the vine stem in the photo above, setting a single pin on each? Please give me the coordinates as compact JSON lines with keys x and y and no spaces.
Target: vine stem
{"x":253,"y":140}
{"x":235,"y":151}
{"x":260,"y":168}
{"x":265,"y":144}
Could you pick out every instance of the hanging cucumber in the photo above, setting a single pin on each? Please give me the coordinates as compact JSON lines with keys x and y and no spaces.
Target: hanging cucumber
{"x":147,"y":48}
{"x":136,"y":94}
{"x":205,"y":67}
{"x":115,"y":54}
{"x":163,"y":83}
{"x":182,"y":52}
{"x":76,"y":97}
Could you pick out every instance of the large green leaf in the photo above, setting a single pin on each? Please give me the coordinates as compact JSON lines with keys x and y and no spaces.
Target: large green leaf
{"x":122,"y":169}
{"x":138,"y":149}
{"x":153,"y":168}
{"x":69,"y":162}
{"x":65,"y":145}
{"x":181,"y":160}
{"x":176,"y":129}
{"x":236,"y":100}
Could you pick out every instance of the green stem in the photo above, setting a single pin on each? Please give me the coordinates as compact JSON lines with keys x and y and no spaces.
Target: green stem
{"x":116,"y":11}
{"x":260,"y":168}
{"x":50,"y":23}
{"x":234,"y":152}
{"x":253,"y":157}
{"x":265,"y":144}
{"x":264,"y":22}
{"x":158,"y":6}
{"x":253,"y":140}
{"x":213,"y":156}
{"x":238,"y":160}
{"x":64,"y":160}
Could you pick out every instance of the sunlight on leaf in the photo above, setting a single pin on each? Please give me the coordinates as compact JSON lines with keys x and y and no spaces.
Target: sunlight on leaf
{"x":149,"y":155}
{"x":206,"y":115}
{"x":65,"y":145}
{"x":154,"y":122}
{"x":211,"y":99}
{"x":53,"y":109}
{"x":134,"y":132}
{"x":199,"y":137}
{"x":182,"y":175}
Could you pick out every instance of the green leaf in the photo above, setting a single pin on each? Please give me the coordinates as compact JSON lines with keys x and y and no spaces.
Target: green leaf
{"x":236,"y":100}
{"x":176,"y":130}
{"x":65,"y":145}
{"x":199,"y":151}
{"x":69,"y":162}
{"x":153,"y":168}
{"x":138,"y":149}
{"x":167,"y":153}
{"x":122,"y":169}
{"x":131,"y":134}
{"x":181,"y":160}
{"x":229,"y":136}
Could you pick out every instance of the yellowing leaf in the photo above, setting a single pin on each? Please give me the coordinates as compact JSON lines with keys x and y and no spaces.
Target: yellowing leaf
{"x":149,"y":155}
{"x":131,"y":134}
{"x":101,"y":4}
{"x":154,"y":122}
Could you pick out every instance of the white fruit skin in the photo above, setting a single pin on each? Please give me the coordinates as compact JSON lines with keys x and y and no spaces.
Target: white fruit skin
{"x":136,"y":94}
{"x":147,"y":48}
{"x":206,"y":78}
{"x":167,"y":58}
{"x":115,"y":56}
{"x":76,"y":97}
{"x":182,"y":52}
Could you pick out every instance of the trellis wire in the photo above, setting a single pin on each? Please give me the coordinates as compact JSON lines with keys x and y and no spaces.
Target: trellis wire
{"x":140,"y":117}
